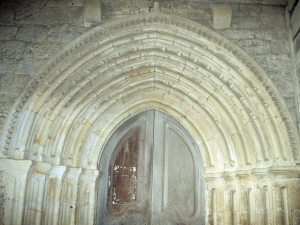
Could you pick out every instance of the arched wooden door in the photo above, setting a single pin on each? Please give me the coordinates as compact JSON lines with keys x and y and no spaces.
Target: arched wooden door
{"x":151,"y":174}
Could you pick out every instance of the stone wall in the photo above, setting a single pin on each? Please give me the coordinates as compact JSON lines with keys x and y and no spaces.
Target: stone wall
{"x":33,"y":31}
{"x":261,"y":32}
{"x":30,"y":33}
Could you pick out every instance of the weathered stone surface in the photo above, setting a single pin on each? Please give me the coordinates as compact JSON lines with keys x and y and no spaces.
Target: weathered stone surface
{"x":221,"y":15}
{"x":34,"y":205}
{"x":270,"y":19}
{"x":258,"y":17}
{"x":92,"y":12}
{"x":87,"y":197}
{"x":296,"y":216}
{"x":179,"y":79}
{"x":13,"y":49}
{"x":75,"y":16}
{"x":7,"y":79}
{"x":13,"y":176}
{"x":32,"y":33}
{"x":7,"y":33}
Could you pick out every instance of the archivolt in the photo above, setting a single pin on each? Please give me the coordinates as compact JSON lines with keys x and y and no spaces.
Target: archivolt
{"x":214,"y":89}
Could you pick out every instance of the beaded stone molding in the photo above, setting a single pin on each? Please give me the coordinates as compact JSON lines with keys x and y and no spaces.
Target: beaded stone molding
{"x":213,"y":88}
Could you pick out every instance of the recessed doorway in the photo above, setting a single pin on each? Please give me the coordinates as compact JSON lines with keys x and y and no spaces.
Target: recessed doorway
{"x":151,"y":174}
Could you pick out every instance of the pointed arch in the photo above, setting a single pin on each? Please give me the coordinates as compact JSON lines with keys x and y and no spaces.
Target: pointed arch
{"x":214,"y":89}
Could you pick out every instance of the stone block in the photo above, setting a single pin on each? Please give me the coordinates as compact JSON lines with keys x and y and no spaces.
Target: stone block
{"x":279,"y":47}
{"x":201,"y":16}
{"x":257,"y":8}
{"x":6,"y":100}
{"x":64,"y":34}
{"x":75,"y":16}
{"x":92,"y":12}
{"x":12,"y":49}
{"x":38,"y":50}
{"x":7,"y":66}
{"x":291,"y":105}
{"x":273,"y":63}
{"x":270,"y":2}
{"x":221,"y":15}
{"x":274,"y":34}
{"x":156,"y":7}
{"x":7,"y":33}
{"x":32,"y":33}
{"x":55,"y":3}
{"x":249,"y":23}
{"x":45,"y":16}
{"x":295,"y":216}
{"x":273,"y":9}
{"x":273,"y":20}
{"x":7,"y":16}
{"x":26,"y":66}
{"x":240,"y":34}
{"x":255,"y":46}
{"x":78,"y":3}
{"x":286,"y":87}
{"x":12,"y":82}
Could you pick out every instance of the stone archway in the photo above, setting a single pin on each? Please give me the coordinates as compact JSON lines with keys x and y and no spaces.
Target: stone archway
{"x":58,"y":127}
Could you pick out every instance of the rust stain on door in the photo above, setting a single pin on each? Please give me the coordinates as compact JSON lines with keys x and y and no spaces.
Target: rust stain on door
{"x":124,"y":174}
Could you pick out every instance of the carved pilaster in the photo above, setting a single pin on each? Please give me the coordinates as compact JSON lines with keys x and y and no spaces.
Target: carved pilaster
{"x":87,"y":197}
{"x":69,"y":197}
{"x":53,"y":195}
{"x":35,"y":193}
{"x":264,"y":196}
{"x":214,"y":206}
{"x":13,"y":175}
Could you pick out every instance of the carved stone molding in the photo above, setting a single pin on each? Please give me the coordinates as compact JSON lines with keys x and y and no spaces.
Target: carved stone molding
{"x":219,"y":93}
{"x":43,"y":193}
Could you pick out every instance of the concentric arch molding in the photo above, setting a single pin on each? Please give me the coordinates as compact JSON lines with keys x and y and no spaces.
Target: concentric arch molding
{"x":214,"y":89}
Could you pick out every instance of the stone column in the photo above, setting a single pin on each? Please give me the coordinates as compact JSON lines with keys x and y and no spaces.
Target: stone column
{"x":87,"y":197}
{"x":53,"y":195}
{"x":265,"y":196}
{"x":35,"y":193}
{"x":214,"y":203}
{"x":69,"y":197}
{"x":13,"y":175}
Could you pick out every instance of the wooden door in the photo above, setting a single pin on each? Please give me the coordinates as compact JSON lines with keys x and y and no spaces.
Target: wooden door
{"x":151,"y":174}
